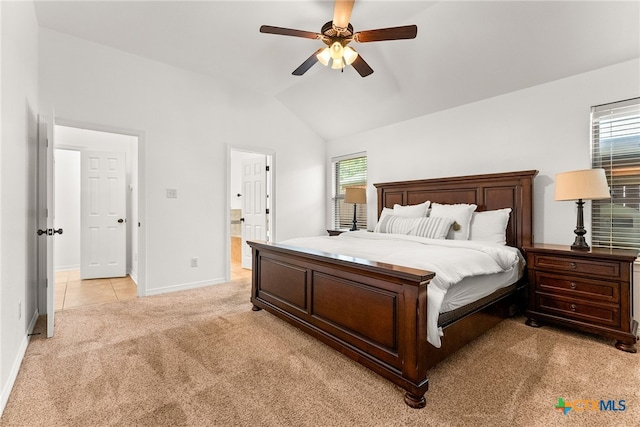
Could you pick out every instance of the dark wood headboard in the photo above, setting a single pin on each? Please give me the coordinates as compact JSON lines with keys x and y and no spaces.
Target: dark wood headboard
{"x":491,"y":191}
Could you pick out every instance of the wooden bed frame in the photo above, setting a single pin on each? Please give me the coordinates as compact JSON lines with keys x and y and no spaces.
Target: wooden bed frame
{"x":376,"y":313}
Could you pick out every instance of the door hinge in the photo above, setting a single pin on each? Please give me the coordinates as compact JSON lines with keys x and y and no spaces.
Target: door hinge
{"x":46,"y":212}
{"x":46,"y":283}
{"x":267,"y":212}
{"x":267,"y":168}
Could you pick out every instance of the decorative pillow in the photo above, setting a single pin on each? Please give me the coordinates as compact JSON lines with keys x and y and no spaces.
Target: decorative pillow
{"x":411,"y":211}
{"x":432,"y":228}
{"x":461,"y":214}
{"x":490,"y":226}
{"x":385,"y":212}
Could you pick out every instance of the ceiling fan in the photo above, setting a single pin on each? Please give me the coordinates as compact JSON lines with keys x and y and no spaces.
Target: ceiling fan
{"x":336,"y":35}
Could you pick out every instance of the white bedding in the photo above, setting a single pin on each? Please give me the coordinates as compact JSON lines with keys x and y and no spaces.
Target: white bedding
{"x":451,"y":260}
{"x":471,"y":289}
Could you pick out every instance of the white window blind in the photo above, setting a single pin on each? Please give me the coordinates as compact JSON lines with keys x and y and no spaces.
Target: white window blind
{"x":615,"y":145}
{"x":348,"y":171}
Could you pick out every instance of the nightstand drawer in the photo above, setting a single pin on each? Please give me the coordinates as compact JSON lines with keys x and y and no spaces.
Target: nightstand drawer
{"x":579,"y":310}
{"x":578,"y":287}
{"x":602,"y":268}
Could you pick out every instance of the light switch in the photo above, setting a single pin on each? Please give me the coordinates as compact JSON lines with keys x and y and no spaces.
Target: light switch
{"x":172,"y":193}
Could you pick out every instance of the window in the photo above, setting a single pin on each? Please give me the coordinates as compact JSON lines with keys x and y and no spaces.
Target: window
{"x":615,"y":147}
{"x":348,"y":171}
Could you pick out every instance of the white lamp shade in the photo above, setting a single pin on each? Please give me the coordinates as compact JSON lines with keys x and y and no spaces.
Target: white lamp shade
{"x":324,"y":56}
{"x":587,"y":184}
{"x":337,"y":64}
{"x":336,"y":51}
{"x":355,"y":195}
{"x":350,"y":55}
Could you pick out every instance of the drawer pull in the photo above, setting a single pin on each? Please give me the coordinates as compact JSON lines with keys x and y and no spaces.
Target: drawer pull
{"x":573,"y":265}
{"x":573,"y":307}
{"x":573,"y":285}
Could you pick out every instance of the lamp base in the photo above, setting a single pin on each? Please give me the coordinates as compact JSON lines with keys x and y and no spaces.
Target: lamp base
{"x":580,"y":243}
{"x":354,"y":227}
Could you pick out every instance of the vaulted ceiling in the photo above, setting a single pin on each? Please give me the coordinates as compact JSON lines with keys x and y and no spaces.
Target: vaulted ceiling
{"x":465,"y":51}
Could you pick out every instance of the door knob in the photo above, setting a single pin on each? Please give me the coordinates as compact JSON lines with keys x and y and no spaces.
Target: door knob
{"x":241,"y":219}
{"x":41,"y":232}
{"x":120,"y":220}
{"x":59,"y":231}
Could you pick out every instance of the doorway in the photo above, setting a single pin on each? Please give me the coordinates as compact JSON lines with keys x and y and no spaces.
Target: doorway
{"x":70,"y":250}
{"x":251,"y":207}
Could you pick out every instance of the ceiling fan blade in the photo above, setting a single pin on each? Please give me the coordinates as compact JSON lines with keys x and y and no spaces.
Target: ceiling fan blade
{"x":289,"y":32}
{"x":310,"y":62}
{"x":361,"y":66}
{"x":381,"y":34}
{"x":342,"y":13}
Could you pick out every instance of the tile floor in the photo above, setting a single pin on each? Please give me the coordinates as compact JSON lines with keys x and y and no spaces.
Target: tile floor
{"x":72,"y":292}
{"x":237,"y":272}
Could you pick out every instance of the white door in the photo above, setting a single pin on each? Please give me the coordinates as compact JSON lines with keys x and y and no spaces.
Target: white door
{"x":46,"y":227}
{"x":254,"y":204}
{"x":103,"y":232}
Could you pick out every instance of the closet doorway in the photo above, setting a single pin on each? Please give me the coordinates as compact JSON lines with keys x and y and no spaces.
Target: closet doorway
{"x":96,"y":199}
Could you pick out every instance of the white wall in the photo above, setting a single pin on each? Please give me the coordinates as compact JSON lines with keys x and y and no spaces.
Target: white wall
{"x":188,"y":120}
{"x":544,"y":127}
{"x":18,"y":250}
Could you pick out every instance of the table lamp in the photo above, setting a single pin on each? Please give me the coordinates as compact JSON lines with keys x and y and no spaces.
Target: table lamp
{"x":588,"y":184}
{"x":355,"y":195}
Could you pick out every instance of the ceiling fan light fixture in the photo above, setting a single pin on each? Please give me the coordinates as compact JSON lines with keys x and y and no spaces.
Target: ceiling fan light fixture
{"x":336,"y":35}
{"x":324,"y":56}
{"x":350,"y":55}
{"x":336,"y":51}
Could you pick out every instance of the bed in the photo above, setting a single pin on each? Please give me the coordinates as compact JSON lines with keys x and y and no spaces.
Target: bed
{"x":376,"y":312}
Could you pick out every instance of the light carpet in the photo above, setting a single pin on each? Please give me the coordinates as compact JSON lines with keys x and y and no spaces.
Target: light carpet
{"x":203,"y":358}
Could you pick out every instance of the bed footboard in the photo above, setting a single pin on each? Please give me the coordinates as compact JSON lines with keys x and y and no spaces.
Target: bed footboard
{"x":374,"y":313}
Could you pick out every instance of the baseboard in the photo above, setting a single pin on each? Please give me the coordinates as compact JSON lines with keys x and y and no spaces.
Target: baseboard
{"x":184,"y":287}
{"x":15,"y":368}
{"x":134,"y":276}
{"x":67,"y":267}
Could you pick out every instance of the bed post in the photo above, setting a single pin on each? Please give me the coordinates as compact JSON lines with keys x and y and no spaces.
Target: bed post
{"x":415,"y":351}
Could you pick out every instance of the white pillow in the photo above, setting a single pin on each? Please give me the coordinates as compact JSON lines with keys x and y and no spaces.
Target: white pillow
{"x":411,"y":211}
{"x":432,"y":228}
{"x":461,"y":213}
{"x":383,"y":214}
{"x":490,"y":226}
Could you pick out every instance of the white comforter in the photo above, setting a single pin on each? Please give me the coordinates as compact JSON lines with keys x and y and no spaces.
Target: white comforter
{"x":451,"y":260}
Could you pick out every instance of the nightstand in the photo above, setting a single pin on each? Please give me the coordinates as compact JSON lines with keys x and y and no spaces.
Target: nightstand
{"x":590,"y":291}
{"x":335,"y":232}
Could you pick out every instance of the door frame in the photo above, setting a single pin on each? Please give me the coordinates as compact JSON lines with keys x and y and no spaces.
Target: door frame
{"x":141,"y":278}
{"x":270,"y":191}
